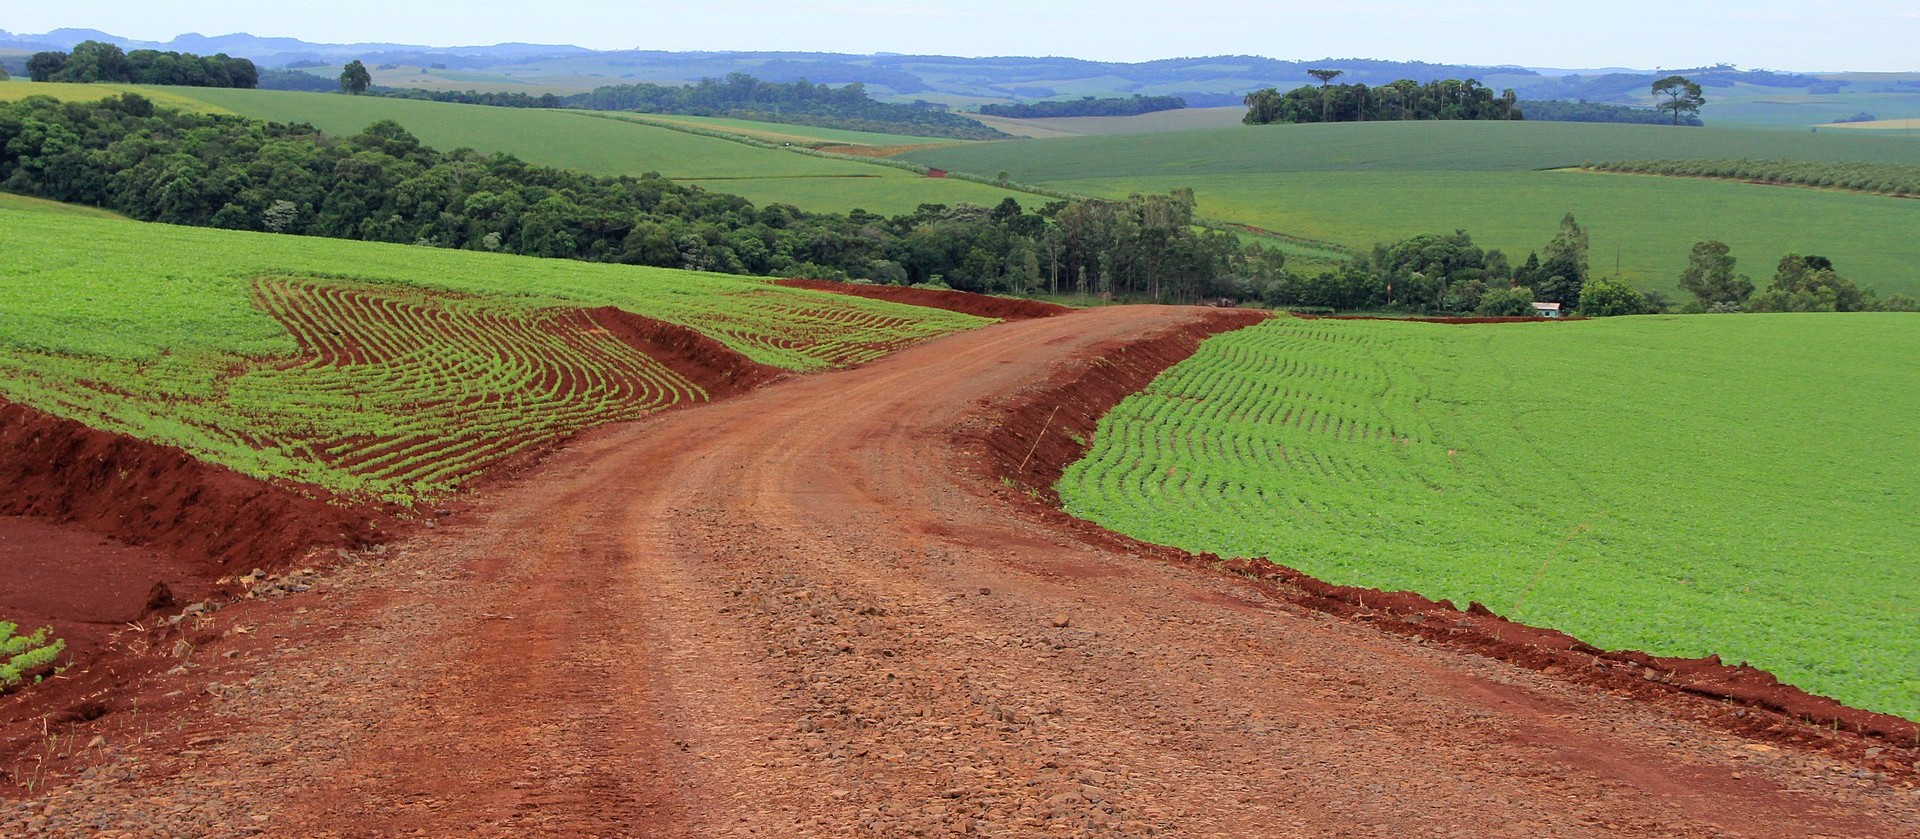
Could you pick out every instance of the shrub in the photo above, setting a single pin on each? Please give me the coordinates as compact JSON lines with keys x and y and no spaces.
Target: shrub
{"x":24,"y":655}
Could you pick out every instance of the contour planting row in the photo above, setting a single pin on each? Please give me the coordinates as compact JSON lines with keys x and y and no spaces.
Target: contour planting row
{"x":412,"y":392}
{"x":395,"y":392}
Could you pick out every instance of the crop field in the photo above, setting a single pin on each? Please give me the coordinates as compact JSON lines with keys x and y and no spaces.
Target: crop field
{"x":588,"y":143}
{"x":780,"y":132}
{"x":14,"y":90}
{"x":368,"y":369}
{"x":1356,"y":185}
{"x":1185,"y":119}
{"x":1679,"y":485}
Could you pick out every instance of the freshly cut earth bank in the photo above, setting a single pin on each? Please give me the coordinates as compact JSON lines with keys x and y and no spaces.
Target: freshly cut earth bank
{"x":160,"y":497}
{"x":966,"y":303}
{"x":802,"y":613}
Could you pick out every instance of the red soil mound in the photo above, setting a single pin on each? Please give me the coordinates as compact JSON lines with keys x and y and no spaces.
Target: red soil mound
{"x":713,"y":366}
{"x":1045,"y":431}
{"x":966,"y":303}
{"x":1040,"y":433}
{"x":161,"y":497}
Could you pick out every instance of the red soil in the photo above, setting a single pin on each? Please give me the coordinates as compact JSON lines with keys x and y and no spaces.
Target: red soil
{"x":162,"y":498}
{"x":1044,"y":431}
{"x":714,"y":366}
{"x":799,"y":613}
{"x":966,"y":303}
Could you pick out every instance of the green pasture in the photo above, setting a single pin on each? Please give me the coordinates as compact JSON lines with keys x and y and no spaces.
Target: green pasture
{"x":1740,"y":485}
{"x":140,"y":328}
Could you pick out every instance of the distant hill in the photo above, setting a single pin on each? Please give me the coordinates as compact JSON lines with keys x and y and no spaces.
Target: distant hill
{"x":958,"y":82}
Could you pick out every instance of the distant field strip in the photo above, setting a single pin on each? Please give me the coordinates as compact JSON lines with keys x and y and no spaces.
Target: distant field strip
{"x":251,"y":351}
{"x":1684,"y":486}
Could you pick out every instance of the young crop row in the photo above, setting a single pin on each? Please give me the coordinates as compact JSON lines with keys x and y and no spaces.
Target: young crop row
{"x":1644,"y":484}
{"x":394,"y":392}
{"x":402,"y":381}
{"x":1881,"y":178}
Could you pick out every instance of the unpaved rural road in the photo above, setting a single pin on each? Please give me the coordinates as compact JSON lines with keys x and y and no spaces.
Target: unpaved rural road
{"x":795,"y":614}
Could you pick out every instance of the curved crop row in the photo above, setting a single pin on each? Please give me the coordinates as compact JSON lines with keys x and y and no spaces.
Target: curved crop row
{"x":1639,"y":483}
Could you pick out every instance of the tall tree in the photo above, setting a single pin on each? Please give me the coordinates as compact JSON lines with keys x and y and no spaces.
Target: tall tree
{"x":354,"y":78}
{"x":1710,"y":279}
{"x":1326,"y":77}
{"x":1563,"y":268}
{"x":1683,"y":96}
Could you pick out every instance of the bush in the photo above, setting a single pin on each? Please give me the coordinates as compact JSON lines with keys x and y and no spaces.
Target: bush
{"x":1603,"y":297}
{"x":1506,"y":303}
{"x":24,"y":655}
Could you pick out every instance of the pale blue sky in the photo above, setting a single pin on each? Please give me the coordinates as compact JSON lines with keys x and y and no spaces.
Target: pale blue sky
{"x":1777,"y":34}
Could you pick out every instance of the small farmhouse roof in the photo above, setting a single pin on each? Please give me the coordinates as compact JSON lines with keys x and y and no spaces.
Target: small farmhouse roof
{"x":1547,"y":307}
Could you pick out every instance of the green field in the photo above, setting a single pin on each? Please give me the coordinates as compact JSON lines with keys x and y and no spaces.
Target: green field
{"x":1358,"y":184}
{"x":371,"y":369}
{"x":596,"y":145}
{"x":14,"y":90}
{"x":780,"y":132}
{"x":1185,"y":119}
{"x":1740,"y":486}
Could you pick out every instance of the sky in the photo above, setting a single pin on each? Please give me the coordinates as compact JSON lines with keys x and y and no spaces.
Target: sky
{"x":1804,"y":35}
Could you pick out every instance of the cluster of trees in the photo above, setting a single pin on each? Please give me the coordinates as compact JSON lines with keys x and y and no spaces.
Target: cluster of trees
{"x":93,"y":61}
{"x":297,"y":80}
{"x":1800,"y":284}
{"x":383,"y":185}
{"x":1447,"y":99}
{"x":1556,"y":110}
{"x":740,"y":96}
{"x":1087,"y":107}
{"x":1883,"y":178}
{"x":1448,"y":274}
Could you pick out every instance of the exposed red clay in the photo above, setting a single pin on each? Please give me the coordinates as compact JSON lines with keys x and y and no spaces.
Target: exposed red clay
{"x":966,"y":303}
{"x":163,"y":498}
{"x":800,"y":613}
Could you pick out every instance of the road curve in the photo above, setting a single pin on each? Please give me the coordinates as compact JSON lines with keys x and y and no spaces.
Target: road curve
{"x":796,"y":613}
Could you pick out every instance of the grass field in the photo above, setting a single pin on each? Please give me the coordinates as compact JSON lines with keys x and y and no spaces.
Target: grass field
{"x":371,"y":369}
{"x":15,"y":89}
{"x":1357,"y":184}
{"x":1680,"y":485}
{"x":779,"y":132}
{"x":1185,"y":119}
{"x":586,"y":143}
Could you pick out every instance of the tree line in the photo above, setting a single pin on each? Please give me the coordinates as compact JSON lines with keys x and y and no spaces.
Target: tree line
{"x":1800,"y":284}
{"x":1088,"y":106}
{"x":1881,"y":178}
{"x":384,"y":185}
{"x":739,"y":96}
{"x":1556,"y":110}
{"x":93,"y":61}
{"x":1445,"y":99}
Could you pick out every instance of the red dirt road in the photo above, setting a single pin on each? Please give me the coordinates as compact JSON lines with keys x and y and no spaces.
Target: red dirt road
{"x":798,"y":613}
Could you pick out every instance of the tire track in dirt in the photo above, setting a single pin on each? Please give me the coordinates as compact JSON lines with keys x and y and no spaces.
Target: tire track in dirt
{"x":799,"y":613}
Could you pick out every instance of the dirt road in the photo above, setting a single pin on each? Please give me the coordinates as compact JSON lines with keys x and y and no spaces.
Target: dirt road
{"x":795,"y":613}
